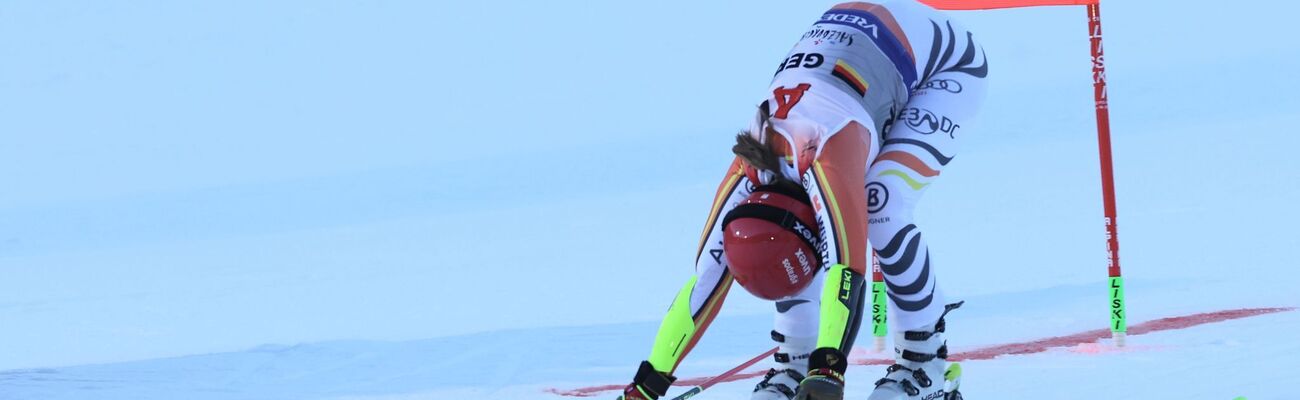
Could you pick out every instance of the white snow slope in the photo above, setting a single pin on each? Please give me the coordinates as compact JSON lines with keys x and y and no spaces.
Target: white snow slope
{"x":412,"y":200}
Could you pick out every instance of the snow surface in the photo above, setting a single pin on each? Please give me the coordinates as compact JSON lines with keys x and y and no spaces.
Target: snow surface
{"x":402,"y":200}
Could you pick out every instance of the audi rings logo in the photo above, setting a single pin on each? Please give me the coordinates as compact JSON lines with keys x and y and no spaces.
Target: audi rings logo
{"x":947,"y":85}
{"x":877,"y":197}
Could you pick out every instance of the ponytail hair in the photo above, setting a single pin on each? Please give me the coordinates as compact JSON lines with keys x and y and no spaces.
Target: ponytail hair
{"x":759,"y":153}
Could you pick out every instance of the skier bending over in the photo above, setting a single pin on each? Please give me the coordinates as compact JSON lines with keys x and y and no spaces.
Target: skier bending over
{"x":872,"y":94}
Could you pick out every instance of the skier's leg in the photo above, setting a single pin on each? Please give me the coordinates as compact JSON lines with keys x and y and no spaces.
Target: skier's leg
{"x":795,"y":333}
{"x":922,"y":141}
{"x":905,"y":168}
{"x":698,"y":302}
{"x":833,"y":183}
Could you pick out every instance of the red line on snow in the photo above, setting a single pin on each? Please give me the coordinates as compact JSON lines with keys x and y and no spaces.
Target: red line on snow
{"x":991,"y":352}
{"x":1163,"y":324}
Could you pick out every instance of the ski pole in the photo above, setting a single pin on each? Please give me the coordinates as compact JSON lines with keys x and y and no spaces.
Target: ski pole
{"x":720,"y":378}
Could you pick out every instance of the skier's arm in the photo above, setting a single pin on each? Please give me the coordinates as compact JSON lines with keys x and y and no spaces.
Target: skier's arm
{"x":698,"y":302}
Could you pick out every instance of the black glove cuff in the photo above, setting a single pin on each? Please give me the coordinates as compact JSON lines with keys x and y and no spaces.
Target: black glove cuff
{"x":654,"y":382}
{"x":827,"y":357}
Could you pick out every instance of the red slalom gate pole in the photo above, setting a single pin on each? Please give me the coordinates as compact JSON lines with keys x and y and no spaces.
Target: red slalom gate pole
{"x":1118,"y":324}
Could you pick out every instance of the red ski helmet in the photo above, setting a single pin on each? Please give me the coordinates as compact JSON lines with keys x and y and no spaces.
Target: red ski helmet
{"x":770,"y":242}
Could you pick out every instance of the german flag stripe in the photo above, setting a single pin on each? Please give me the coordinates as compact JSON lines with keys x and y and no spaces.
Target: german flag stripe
{"x":850,"y":76}
{"x":728,"y":186}
{"x":895,"y":46}
{"x":837,"y":223}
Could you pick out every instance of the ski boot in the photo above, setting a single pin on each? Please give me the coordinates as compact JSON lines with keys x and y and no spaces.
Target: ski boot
{"x":791,"y":357}
{"x":920,"y":358}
